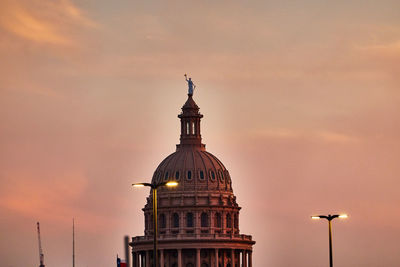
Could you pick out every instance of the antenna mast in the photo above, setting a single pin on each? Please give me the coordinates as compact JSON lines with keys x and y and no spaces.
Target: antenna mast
{"x":41,"y":256}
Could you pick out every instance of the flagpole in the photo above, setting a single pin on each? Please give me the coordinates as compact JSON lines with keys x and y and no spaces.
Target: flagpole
{"x":73,"y":242}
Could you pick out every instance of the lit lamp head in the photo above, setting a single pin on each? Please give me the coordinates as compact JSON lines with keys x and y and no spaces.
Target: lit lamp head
{"x":329,"y":217}
{"x":171,"y":184}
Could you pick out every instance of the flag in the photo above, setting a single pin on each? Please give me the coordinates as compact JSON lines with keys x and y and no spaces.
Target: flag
{"x":121,"y":263}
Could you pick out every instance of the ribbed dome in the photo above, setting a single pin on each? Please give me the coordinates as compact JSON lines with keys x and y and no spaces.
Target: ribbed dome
{"x":194,"y":169}
{"x":191,"y":165}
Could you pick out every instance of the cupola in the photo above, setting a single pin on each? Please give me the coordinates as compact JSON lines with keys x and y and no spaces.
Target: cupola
{"x":190,"y":125}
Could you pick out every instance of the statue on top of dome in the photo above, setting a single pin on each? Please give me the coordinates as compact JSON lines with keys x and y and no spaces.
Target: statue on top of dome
{"x":191,"y":85}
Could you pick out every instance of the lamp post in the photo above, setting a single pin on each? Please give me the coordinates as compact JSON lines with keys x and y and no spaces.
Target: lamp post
{"x":329,"y":218}
{"x":155,"y":226}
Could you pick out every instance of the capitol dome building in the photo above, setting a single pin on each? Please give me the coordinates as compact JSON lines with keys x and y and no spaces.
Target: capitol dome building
{"x":198,"y":220}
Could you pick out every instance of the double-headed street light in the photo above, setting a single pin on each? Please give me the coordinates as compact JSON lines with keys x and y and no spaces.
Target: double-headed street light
{"x":154,"y":191}
{"x":329,"y":218}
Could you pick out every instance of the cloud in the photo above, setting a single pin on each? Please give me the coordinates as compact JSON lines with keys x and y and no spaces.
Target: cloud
{"x":387,"y":49}
{"x":320,"y":135}
{"x":49,"y":198}
{"x":74,"y":13}
{"x":27,"y":26}
{"x":44,"y":22}
{"x":335,"y":137}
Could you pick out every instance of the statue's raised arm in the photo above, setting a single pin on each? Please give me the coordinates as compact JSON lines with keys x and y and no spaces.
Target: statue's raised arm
{"x":191,"y":85}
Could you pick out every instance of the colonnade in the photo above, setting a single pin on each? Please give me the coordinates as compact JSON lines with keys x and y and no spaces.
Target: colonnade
{"x":142,"y":258}
{"x":211,"y":225}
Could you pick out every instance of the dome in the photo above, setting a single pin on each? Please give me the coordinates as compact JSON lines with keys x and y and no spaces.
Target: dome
{"x":191,"y":165}
{"x":194,"y":169}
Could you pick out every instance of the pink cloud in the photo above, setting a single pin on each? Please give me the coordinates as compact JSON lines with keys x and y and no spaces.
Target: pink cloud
{"x":43,"y":22}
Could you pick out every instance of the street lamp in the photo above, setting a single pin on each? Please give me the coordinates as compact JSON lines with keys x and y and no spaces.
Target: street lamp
{"x":154,"y":190}
{"x":329,"y":218}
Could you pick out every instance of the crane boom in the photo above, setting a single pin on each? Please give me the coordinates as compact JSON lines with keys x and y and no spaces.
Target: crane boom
{"x":41,"y":255}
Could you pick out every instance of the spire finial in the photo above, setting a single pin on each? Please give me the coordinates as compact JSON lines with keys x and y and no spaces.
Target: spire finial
{"x":191,"y":85}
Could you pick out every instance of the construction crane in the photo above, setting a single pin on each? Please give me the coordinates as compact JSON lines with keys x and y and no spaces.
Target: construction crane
{"x":41,"y":255}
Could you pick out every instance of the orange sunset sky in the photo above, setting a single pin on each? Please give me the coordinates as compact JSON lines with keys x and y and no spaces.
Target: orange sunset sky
{"x":301,"y":103}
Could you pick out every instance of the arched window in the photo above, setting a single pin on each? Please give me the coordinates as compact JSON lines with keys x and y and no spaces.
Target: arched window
{"x":175,"y":220}
{"x":204,"y":219}
{"x":228,"y":221}
{"x":162,"y":221}
{"x":177,"y":175}
{"x":189,"y":175}
{"x":187,"y":128}
{"x":221,"y":176}
{"x":189,"y":219}
{"x":218,"y":221}
{"x":166,"y":176}
{"x":193,"y":128}
{"x":212,"y":175}
{"x":201,"y":175}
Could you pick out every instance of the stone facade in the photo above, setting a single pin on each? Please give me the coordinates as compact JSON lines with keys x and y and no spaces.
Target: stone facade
{"x":198,"y":221}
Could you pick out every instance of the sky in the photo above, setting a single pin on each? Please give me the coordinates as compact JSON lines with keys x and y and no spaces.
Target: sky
{"x":300,"y":99}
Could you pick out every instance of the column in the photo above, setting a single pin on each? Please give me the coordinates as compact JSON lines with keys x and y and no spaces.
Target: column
{"x":197,"y":257}
{"x":161,"y":258}
{"x":250,"y":259}
{"x":142,"y":259}
{"x":244,"y":258}
{"x":233,"y":257}
{"x":196,"y":218}
{"x":182,"y":222}
{"x":223,"y":222}
{"x":133,"y":259}
{"x":182,"y":128}
{"x":211,"y":217}
{"x":168,"y":220}
{"x":147,"y":261}
{"x":198,"y":128}
{"x":179,"y":257}
{"x":216,"y":258}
